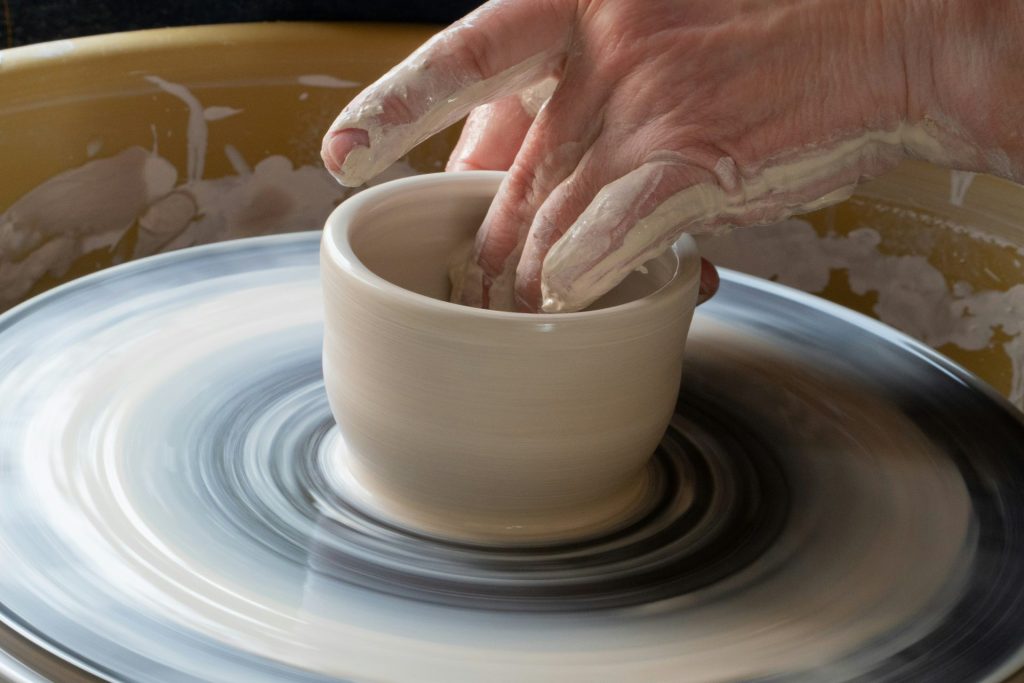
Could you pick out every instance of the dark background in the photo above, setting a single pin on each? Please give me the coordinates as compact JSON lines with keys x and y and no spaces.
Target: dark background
{"x":33,"y":21}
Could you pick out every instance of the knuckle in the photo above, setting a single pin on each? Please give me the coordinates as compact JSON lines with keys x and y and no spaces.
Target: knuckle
{"x":472,"y":52}
{"x":522,"y":187}
{"x":396,"y":108}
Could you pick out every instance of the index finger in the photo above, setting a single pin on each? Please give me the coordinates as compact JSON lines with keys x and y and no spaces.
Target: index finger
{"x":500,"y":48}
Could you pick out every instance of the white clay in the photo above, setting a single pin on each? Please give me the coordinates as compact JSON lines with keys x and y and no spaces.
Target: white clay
{"x":483,"y":424}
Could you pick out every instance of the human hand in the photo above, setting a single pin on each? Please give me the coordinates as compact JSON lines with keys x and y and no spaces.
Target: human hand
{"x":672,"y":117}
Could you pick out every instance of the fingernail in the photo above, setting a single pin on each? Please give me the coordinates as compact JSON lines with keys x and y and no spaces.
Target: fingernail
{"x":339,"y":145}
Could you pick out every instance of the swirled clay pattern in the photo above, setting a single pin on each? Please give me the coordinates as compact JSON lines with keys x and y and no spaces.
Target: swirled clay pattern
{"x":832,"y":502}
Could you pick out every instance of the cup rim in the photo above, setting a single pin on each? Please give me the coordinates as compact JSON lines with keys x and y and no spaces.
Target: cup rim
{"x":337,"y":247}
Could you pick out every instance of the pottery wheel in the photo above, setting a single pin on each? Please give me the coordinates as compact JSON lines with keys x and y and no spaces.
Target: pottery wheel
{"x":834,"y":502}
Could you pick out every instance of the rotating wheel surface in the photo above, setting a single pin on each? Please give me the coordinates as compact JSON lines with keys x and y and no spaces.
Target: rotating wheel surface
{"x":833,"y":502}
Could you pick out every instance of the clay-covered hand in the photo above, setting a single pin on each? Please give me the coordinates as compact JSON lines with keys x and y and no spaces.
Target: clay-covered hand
{"x":669,"y":116}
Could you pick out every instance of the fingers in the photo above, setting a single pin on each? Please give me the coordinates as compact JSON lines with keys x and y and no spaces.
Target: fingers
{"x":628,"y":222}
{"x":553,"y":147}
{"x":491,"y":137}
{"x":589,"y":220}
{"x":497,"y":50}
{"x":494,"y":133}
{"x":559,"y":211}
{"x":564,"y":205}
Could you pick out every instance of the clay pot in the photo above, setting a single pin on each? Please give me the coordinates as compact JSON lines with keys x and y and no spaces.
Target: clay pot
{"x":484,"y":425}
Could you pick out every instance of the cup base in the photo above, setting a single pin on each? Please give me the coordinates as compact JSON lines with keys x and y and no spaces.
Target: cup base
{"x":531,"y":525}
